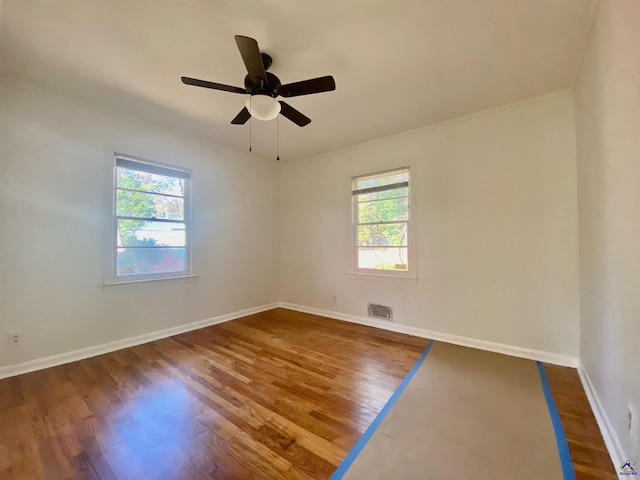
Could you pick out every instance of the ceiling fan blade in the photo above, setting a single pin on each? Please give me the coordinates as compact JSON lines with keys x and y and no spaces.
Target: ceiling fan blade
{"x":242,"y":117}
{"x":294,"y":115}
{"x":251,"y":57}
{"x":215,"y":86}
{"x":306,"y":87}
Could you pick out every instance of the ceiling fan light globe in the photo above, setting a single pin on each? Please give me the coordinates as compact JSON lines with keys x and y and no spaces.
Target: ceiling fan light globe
{"x":263,"y":107}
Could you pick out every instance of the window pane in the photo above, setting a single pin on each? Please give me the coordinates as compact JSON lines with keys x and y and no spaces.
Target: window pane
{"x":150,"y":234}
{"x":396,"y":192}
{"x":382,"y":179}
{"x":394,"y":259}
{"x":384,"y":210}
{"x":149,"y":182}
{"x":136,"y":261}
{"x":394,"y":235}
{"x":139,"y":204}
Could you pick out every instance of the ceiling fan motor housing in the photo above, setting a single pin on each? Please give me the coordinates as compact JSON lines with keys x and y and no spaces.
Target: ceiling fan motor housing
{"x":270,"y":87}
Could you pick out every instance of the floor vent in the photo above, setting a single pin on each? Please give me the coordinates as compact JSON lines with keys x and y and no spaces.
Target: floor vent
{"x":379,"y":311}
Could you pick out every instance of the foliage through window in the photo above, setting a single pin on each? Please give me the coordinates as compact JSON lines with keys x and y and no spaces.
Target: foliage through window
{"x":381,"y":221}
{"x":151,"y":220}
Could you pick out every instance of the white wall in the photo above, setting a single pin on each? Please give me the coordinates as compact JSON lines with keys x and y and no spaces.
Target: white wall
{"x":607,"y":106}
{"x":56,"y":164}
{"x":496,"y":217}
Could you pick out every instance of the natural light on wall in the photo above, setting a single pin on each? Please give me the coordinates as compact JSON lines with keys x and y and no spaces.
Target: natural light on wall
{"x":381,"y":203}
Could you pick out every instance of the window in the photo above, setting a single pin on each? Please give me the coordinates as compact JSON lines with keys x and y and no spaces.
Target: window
{"x":381,"y":222}
{"x":151,"y":220}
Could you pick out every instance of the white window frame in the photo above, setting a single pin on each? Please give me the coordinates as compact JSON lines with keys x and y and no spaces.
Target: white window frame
{"x":411,"y":257}
{"x":113,"y":277}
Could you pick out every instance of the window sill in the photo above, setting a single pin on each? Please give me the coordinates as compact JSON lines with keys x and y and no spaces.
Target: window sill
{"x":409,"y":278}
{"x":145,"y":281}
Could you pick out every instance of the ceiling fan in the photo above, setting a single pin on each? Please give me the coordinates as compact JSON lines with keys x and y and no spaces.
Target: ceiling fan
{"x":263,"y":87}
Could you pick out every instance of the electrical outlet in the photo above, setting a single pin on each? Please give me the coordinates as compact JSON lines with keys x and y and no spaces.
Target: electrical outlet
{"x":334,"y":297}
{"x":14,"y":339}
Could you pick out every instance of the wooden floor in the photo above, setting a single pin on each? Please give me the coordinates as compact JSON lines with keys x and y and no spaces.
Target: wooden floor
{"x":277,"y":395}
{"x":590,"y":458}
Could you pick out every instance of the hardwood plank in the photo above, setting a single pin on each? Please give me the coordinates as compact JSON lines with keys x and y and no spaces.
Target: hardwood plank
{"x":588,"y":452}
{"x":276,"y":395}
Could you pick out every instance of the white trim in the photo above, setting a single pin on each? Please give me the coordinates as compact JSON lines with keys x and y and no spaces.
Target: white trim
{"x":383,"y":276}
{"x":549,"y":357}
{"x":528,"y":353}
{"x":60,"y":359}
{"x":110,"y":275}
{"x":411,"y":272}
{"x":609,"y":435}
{"x":145,"y":280}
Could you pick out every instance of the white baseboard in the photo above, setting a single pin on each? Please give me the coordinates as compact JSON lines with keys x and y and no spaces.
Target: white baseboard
{"x":528,"y":353}
{"x":609,"y":435}
{"x":54,"y":360}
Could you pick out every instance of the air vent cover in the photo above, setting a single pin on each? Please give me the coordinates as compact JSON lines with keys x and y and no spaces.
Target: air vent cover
{"x":379,"y":311}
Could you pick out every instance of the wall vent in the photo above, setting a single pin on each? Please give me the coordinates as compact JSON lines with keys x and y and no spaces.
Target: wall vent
{"x":379,"y":311}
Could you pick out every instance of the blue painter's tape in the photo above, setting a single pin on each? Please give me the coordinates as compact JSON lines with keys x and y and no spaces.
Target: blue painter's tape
{"x":357,"y":448}
{"x":563,"y":449}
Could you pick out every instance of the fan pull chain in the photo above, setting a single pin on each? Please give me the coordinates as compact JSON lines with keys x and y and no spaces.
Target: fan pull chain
{"x":278,"y":142}
{"x":250,"y":123}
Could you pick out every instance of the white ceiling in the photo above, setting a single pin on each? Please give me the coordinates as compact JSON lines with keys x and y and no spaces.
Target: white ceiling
{"x":398,"y":65}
